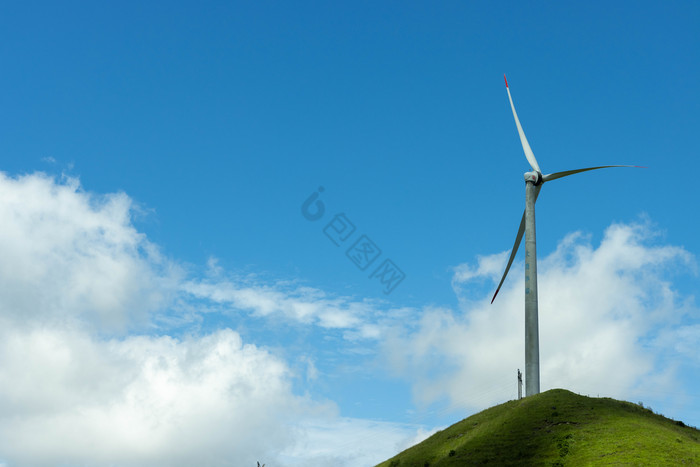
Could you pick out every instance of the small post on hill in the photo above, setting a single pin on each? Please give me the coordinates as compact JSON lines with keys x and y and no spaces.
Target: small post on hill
{"x":520,"y":385}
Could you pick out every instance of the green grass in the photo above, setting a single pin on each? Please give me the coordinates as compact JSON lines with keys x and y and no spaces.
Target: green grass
{"x":558,"y":428}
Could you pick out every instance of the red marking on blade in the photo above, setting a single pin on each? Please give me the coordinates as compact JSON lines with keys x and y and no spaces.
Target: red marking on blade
{"x":494,"y":296}
{"x":506,"y":79}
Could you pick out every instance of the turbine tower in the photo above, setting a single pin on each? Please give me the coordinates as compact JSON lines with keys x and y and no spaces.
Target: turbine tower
{"x":533,"y":184}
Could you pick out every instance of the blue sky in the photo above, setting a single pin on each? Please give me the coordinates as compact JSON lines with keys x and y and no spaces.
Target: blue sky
{"x":165,"y":288}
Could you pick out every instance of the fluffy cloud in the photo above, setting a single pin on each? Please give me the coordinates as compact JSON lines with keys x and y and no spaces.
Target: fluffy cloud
{"x":70,"y":254}
{"x":600,"y":311}
{"x":78,"y":387}
{"x":301,"y":304}
{"x":71,"y":399}
{"x":68,"y":398}
{"x":75,"y":271}
{"x":350,"y":442}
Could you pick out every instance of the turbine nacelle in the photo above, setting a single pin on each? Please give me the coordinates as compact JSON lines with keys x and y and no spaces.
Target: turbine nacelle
{"x":534,"y":177}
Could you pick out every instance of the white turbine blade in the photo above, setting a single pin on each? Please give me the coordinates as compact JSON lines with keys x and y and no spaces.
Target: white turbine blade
{"x":555,"y":175}
{"x":516,"y":245}
{"x":523,"y":140}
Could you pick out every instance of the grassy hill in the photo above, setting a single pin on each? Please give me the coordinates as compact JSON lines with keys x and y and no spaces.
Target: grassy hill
{"x":558,"y":428}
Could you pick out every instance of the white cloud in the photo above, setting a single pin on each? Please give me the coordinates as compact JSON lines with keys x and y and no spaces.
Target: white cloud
{"x":69,"y":398}
{"x":599,"y":309}
{"x":211,"y":400}
{"x":74,"y":269}
{"x":76,"y":390}
{"x":300,"y":304}
{"x":69,"y":254}
{"x":487,"y":266}
{"x":350,"y":442}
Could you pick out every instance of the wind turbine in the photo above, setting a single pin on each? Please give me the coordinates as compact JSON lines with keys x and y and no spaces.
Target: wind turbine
{"x":533,"y":184}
